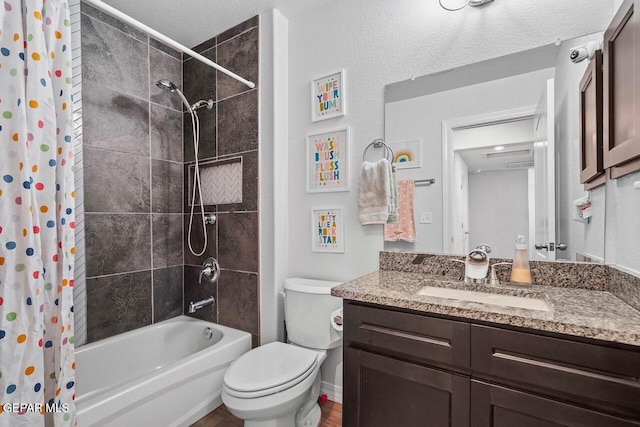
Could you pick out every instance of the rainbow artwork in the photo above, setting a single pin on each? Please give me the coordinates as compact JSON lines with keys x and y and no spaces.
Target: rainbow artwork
{"x":406,"y":154}
{"x":403,"y":156}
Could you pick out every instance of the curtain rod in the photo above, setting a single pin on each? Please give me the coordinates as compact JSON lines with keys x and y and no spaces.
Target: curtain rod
{"x":161,"y":37}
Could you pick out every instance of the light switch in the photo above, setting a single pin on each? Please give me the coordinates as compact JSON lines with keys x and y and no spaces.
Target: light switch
{"x":426,"y":217}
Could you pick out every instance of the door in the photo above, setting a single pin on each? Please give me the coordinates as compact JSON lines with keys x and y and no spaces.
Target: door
{"x":496,"y":406}
{"x":545,"y":176}
{"x":460,"y":205}
{"x":380,"y":391}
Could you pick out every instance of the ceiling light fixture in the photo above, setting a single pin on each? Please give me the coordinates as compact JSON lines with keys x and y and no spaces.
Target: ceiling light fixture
{"x":473,"y":3}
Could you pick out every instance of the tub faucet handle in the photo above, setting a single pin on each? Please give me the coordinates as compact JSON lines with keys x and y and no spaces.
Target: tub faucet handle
{"x":210,"y":271}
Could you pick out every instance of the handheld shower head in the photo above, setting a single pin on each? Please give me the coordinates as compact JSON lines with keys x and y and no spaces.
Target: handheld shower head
{"x":165,"y":84}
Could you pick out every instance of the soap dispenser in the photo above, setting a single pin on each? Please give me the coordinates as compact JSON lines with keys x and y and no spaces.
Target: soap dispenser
{"x":520,"y":271}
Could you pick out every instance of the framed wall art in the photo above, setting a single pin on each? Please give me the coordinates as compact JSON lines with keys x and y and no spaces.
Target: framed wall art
{"x":328,"y":161}
{"x":328,"y":97}
{"x":327,"y":228}
{"x":407,"y":154}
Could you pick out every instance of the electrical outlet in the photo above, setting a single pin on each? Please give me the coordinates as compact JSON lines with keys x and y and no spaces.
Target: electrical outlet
{"x":426,"y":217}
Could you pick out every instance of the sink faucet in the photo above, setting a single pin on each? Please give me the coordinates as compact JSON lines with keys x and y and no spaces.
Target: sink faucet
{"x":193,"y":306}
{"x":493,"y":280}
{"x":476,"y":266}
{"x":464,"y":274}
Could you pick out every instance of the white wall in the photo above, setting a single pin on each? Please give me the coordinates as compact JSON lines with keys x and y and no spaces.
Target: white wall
{"x":274,"y":128}
{"x":498,"y":210}
{"x":422,"y":118}
{"x":623,"y":224}
{"x":378,"y":42}
{"x":579,"y":237}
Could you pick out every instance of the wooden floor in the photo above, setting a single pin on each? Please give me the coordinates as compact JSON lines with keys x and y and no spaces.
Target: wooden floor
{"x":221,"y":417}
{"x":331,"y":414}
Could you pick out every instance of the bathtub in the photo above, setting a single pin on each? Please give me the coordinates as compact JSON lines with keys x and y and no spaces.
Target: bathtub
{"x":165,"y":374}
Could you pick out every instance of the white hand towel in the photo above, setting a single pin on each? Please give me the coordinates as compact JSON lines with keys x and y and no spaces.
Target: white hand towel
{"x":393,"y":205}
{"x":374,"y":195}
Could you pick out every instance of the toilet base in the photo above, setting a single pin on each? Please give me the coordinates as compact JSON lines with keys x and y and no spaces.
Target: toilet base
{"x":312,"y":419}
{"x":288,"y":420}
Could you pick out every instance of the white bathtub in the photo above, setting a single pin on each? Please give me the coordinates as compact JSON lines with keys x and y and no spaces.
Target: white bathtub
{"x":166,"y":374}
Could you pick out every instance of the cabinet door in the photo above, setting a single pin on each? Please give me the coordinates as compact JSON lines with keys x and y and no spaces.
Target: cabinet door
{"x":497,"y":406}
{"x":380,"y":392}
{"x":591,"y":165}
{"x":622,"y":91}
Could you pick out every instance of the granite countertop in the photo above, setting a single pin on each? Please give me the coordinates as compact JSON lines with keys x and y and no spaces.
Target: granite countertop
{"x":579,"y":312}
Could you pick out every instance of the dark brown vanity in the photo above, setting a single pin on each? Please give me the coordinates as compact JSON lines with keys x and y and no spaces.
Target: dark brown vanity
{"x":414,"y":359}
{"x":408,"y":369}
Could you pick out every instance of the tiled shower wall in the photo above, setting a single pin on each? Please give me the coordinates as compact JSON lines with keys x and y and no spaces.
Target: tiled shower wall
{"x":136,"y":177}
{"x":229,"y":130}
{"x":132,"y":177}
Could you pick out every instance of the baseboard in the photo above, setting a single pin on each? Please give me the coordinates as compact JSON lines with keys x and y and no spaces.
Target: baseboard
{"x":333,"y":392}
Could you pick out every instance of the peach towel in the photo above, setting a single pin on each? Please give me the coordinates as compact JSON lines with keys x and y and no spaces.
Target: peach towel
{"x":405,"y":228}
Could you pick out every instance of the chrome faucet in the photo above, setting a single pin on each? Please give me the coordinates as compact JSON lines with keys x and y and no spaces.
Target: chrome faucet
{"x":210,"y":271}
{"x":193,"y":306}
{"x":466,"y":279}
{"x":493,"y":280}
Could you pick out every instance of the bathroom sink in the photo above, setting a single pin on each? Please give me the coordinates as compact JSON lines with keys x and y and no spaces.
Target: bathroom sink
{"x":528,"y":303}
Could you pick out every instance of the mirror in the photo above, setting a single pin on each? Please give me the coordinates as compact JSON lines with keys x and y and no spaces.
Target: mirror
{"x":500,"y":138}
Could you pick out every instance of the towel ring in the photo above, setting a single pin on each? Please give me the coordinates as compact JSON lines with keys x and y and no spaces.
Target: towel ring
{"x":379,"y":143}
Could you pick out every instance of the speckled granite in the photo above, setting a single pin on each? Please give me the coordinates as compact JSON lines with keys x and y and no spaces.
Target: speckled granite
{"x":625,"y":286}
{"x":578,"y":312}
{"x":591,"y":276}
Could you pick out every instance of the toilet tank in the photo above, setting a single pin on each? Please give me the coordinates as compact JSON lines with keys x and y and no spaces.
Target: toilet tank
{"x":308,"y":306}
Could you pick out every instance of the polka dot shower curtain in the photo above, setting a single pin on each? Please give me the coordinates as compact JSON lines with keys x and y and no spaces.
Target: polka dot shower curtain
{"x":36,"y":215}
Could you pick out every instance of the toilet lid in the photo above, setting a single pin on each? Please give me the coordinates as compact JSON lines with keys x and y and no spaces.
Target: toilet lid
{"x":270,"y":366}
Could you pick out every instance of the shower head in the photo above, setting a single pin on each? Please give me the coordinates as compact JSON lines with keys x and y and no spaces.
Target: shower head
{"x":166,"y":85}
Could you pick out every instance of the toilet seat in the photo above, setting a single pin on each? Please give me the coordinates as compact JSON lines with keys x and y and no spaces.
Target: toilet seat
{"x":269,"y":369}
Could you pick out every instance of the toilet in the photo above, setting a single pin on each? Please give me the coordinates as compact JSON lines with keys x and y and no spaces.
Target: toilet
{"x":277,"y":384}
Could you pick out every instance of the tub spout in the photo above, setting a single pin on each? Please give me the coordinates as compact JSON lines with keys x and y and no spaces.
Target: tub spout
{"x":193,"y":306}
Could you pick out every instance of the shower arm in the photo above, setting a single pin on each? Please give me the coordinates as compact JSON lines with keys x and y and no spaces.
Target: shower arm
{"x":161,"y":37}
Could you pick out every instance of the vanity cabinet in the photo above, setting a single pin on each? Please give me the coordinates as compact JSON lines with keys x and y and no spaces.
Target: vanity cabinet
{"x":591,"y":156}
{"x":621,"y":66}
{"x":411,"y":369}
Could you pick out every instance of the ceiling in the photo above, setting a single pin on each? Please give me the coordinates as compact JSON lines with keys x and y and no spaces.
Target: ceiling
{"x":487,"y":159}
{"x":476,"y":145}
{"x":191,"y":22}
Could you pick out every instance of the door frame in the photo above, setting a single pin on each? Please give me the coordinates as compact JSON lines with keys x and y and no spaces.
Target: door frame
{"x":448,"y":126}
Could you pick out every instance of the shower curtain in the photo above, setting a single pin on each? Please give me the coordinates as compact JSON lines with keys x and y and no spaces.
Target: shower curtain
{"x":37,"y":375}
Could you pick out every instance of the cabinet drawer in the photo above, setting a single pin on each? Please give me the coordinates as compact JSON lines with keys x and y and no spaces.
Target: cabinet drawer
{"x":588,"y":374}
{"x":410,"y":336}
